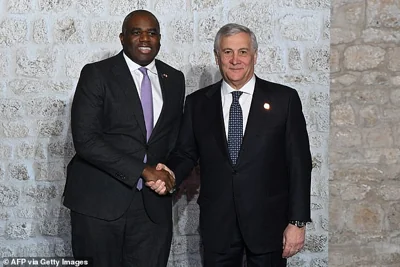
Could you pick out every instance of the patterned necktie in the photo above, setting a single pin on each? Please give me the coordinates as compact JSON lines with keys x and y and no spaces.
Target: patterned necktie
{"x":146,"y":97}
{"x":235,"y":127}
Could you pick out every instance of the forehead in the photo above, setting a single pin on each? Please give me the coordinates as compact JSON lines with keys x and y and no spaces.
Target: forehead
{"x":236,"y":41}
{"x":142,"y":21}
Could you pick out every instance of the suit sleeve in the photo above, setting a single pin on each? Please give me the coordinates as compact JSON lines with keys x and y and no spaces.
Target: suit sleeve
{"x":185,"y":155}
{"x":86,"y":123}
{"x":298,"y":160}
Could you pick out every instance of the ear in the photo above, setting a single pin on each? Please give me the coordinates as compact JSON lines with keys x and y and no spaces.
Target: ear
{"x":255,"y":58}
{"x":216,"y":57}
{"x":121,"y":38}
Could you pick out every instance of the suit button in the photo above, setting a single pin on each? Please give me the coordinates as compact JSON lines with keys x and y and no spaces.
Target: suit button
{"x":146,"y":147}
{"x":234,"y":172}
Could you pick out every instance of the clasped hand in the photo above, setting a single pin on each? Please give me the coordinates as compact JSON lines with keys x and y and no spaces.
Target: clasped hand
{"x":159,"y":178}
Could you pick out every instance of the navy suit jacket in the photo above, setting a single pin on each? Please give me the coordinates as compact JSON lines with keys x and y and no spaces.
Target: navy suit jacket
{"x":109,"y":136}
{"x":270,"y":183}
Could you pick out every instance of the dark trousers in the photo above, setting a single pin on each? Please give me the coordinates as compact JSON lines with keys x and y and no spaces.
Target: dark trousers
{"x":130,"y":241}
{"x":234,"y":256}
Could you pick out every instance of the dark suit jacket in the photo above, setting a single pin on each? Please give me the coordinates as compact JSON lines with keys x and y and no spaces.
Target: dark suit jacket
{"x":269,"y":185}
{"x":109,"y":136}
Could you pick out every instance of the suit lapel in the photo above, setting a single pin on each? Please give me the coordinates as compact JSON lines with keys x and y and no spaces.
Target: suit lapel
{"x":124,"y":78}
{"x":213,"y":111}
{"x":257,"y":115}
{"x":162,"y":77}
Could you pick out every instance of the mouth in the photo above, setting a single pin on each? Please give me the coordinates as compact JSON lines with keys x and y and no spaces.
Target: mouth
{"x":144,"y":49}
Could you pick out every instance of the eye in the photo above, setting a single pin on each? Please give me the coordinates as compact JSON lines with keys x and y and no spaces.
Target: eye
{"x":243,"y":52}
{"x":136,"y":32}
{"x":227,"y":52}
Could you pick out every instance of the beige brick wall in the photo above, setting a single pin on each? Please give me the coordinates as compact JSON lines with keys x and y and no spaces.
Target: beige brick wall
{"x":45,"y":43}
{"x":364,"y":151}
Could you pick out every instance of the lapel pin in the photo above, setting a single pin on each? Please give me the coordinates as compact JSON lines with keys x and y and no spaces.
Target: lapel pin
{"x":165,"y":75}
{"x":267,"y":106}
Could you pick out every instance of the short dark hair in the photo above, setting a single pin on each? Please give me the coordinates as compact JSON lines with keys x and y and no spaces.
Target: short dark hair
{"x":137,"y":12}
{"x":232,"y":29}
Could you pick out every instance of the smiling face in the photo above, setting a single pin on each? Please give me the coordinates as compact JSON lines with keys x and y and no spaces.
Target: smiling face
{"x":236,"y":59}
{"x":140,"y":37}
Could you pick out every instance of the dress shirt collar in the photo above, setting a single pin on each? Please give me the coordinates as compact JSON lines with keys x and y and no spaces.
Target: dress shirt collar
{"x":248,"y":88}
{"x":134,"y":66}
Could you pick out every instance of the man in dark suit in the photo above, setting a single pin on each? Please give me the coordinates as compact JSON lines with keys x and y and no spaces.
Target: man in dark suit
{"x":125,"y":118}
{"x":255,"y":164}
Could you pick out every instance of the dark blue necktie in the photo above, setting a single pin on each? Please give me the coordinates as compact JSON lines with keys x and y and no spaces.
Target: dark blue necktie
{"x":235,"y":127}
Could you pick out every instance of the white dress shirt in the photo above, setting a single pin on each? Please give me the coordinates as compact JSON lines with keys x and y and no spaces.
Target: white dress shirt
{"x":244,"y":101}
{"x":155,"y":84}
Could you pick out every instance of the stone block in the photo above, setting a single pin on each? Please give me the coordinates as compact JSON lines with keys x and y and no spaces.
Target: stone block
{"x":347,"y":137}
{"x":5,"y":151}
{"x":49,"y":171}
{"x":13,"y":31}
{"x":370,"y":96}
{"x":10,"y":108}
{"x":296,"y":261}
{"x":373,"y":35}
{"x":76,"y":59}
{"x":54,"y":5}
{"x":295,"y":58}
{"x":188,"y":220}
{"x":335,"y":60}
{"x":363,"y":57}
{"x":318,"y":59}
{"x":316,"y":243}
{"x":9,"y":195}
{"x":394,"y":58}
{"x":206,"y":4}
{"x":270,"y":60}
{"x":369,"y":116}
{"x":365,"y":217}
{"x":39,"y":65}
{"x":313,"y":4}
{"x":123,"y":7}
{"x":18,"y":171}
{"x":183,"y":30}
{"x":342,"y":36}
{"x":26,"y":150}
{"x":91,"y":7}
{"x":375,"y":78}
{"x":19,"y":230}
{"x":55,"y":227}
{"x":300,"y":27}
{"x":318,"y":262}
{"x":19,"y":6}
{"x":105,"y":31}
{"x":40,"y":31}
{"x":50,"y":128}
{"x":168,"y":7}
{"x":343,"y":114}
{"x":31,"y":212}
{"x":63,"y":248}
{"x":389,"y":190}
{"x":41,"y":193}
{"x":6,"y":251}
{"x":253,"y":14}
{"x":61,"y":149}
{"x":208,"y":28}
{"x":379,"y":137}
{"x":383,"y":14}
{"x":46,"y":107}
{"x":69,"y":31}
{"x":36,"y":248}
{"x":4,"y":63}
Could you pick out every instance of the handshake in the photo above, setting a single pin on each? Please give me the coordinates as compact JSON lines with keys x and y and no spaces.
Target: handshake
{"x":159,"y":178}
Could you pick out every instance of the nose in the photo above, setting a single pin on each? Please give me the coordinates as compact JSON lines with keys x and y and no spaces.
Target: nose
{"x":234,"y":59}
{"x":144,"y":36}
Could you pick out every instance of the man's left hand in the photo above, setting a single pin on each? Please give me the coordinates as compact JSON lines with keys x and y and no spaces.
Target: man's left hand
{"x":293,"y":240}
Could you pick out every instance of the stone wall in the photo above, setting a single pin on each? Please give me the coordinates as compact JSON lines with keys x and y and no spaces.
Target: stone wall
{"x":45,"y":43}
{"x":365,"y":134}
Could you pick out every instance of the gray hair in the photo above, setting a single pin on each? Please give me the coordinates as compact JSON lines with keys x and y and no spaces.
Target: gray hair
{"x":232,"y":29}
